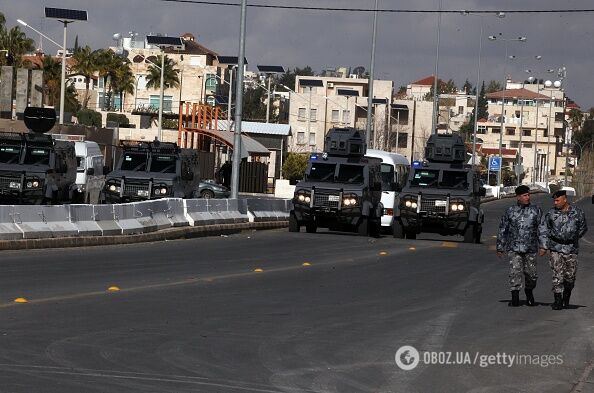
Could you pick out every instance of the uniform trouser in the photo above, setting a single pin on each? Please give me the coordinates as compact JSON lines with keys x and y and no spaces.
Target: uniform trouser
{"x":564,"y":267}
{"x":522,"y":263}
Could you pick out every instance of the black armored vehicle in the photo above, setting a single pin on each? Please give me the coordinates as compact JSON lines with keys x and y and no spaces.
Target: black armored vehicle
{"x":341,"y":189}
{"x":152,"y":170}
{"x":34,"y":168}
{"x":442,"y":194}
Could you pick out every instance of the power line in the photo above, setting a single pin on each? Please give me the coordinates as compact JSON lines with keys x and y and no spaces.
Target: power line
{"x":384,"y":10}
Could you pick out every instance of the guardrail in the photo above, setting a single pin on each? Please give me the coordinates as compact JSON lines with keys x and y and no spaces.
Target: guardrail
{"x":19,"y":222}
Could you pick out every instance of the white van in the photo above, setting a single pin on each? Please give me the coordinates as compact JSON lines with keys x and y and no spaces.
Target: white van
{"x":394,"y":171}
{"x":89,"y":172}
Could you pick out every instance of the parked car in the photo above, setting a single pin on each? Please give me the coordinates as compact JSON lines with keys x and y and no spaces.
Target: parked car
{"x":211,"y":189}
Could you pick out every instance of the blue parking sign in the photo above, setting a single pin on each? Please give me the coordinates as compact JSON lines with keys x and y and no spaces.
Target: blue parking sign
{"x":495,"y":163}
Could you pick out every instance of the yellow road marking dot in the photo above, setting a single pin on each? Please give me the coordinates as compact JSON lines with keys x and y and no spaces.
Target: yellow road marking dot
{"x":383,"y":253}
{"x":113,"y":289}
{"x":21,"y":300}
{"x":449,"y":245}
{"x":306,"y":264}
{"x":412,"y":248}
{"x":258,"y":270}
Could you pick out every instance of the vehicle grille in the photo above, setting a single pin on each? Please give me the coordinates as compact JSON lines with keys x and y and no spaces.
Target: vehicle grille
{"x":132,"y":189}
{"x":5,"y":181}
{"x":428,"y":205}
{"x":322,"y":200}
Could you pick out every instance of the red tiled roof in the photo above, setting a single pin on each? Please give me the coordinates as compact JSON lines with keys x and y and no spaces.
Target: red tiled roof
{"x":507,"y":153}
{"x":427,"y":81}
{"x":518,"y":93}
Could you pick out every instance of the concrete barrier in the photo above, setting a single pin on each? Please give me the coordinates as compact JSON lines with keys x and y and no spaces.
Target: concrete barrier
{"x":237,"y":210}
{"x":152,"y":214}
{"x":175,"y":212}
{"x":125,"y":216}
{"x":269,"y":209}
{"x":83,"y":218}
{"x":32,"y":221}
{"x":105,"y":219}
{"x":283,"y":189}
{"x":219,"y":210}
{"x":196,"y":211}
{"x":8,"y":229}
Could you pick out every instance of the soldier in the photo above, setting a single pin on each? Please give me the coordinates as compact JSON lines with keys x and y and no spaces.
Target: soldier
{"x":560,"y":231}
{"x":518,"y":236}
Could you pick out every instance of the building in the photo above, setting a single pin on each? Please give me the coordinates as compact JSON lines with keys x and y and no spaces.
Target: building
{"x":314,"y":110}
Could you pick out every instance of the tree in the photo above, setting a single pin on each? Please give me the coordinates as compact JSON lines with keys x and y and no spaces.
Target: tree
{"x":85,"y":64}
{"x":468,"y":128}
{"x":448,"y":87}
{"x":122,"y":80}
{"x":52,"y":81}
{"x":494,"y":86}
{"x":401,"y":92}
{"x":576,"y":118}
{"x":289,"y":77}
{"x":467,"y":87}
{"x":170,"y":74}
{"x":591,"y":113}
{"x":254,"y":107}
{"x":294,"y":166}
{"x":15,"y":42}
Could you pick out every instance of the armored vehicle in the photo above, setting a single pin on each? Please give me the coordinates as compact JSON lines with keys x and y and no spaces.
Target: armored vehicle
{"x":34,"y":168}
{"x":341,"y":189}
{"x":151,"y":171}
{"x":442,"y":194}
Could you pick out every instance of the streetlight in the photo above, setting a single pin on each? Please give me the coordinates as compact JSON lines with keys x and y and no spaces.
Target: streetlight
{"x":269,"y":70}
{"x":162,"y":43}
{"x":65,"y":16}
{"x":371,"y":77}
{"x":500,"y":15}
{"x":506,"y":41}
{"x":435,"y":78}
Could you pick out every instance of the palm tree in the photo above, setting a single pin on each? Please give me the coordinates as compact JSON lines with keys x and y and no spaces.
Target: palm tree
{"x":575,"y":118}
{"x":170,"y":74}
{"x":52,"y":78}
{"x":123,"y":81}
{"x":16,"y":42}
{"x":85,"y":64}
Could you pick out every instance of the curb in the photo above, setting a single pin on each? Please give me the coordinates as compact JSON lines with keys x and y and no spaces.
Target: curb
{"x":166,"y":234}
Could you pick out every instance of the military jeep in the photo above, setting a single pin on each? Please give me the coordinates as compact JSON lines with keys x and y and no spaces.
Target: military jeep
{"x":151,"y":171}
{"x":442,"y":194}
{"x":341,"y":189}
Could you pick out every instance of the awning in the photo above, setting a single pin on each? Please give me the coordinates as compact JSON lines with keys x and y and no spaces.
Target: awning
{"x":249,"y":146}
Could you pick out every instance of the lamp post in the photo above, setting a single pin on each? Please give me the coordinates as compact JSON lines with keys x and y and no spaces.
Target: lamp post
{"x":435,"y":78}
{"x":478,"y":79}
{"x":269,"y":70}
{"x":506,"y":41}
{"x":371,"y":77}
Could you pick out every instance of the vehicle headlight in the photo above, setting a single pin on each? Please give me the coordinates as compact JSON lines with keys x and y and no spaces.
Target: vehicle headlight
{"x":460,"y":207}
{"x":307,"y":199}
{"x":35,"y":183}
{"x":163,"y":190}
{"x":157,"y":191}
{"x":29,"y":184}
{"x":408,"y":204}
{"x":301,"y":198}
{"x":414,"y":205}
{"x":454,"y":207}
{"x":112,"y":187}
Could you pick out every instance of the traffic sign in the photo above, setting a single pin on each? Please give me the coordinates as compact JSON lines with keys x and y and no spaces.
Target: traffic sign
{"x":495,"y":163}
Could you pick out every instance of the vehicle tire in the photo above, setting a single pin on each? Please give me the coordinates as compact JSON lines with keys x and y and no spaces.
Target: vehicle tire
{"x":398,"y":229}
{"x":363,"y":227}
{"x":470,"y":233}
{"x":293,"y":223}
{"x":207,"y":194}
{"x":411,"y":235}
{"x":311,"y":227}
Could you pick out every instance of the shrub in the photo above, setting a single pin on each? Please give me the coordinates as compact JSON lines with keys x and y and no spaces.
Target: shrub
{"x":89,"y":117}
{"x":294,"y":166}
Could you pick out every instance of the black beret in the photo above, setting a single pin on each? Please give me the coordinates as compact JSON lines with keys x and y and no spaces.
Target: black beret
{"x":559,"y":193}
{"x":522,"y":190}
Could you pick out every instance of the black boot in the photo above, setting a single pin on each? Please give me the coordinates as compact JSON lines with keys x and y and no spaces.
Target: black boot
{"x":558,"y":304}
{"x":515,"y":300}
{"x":567,"y":294}
{"x":529,"y":297}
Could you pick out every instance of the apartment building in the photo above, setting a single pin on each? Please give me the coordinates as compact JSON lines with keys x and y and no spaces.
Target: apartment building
{"x":337,"y":102}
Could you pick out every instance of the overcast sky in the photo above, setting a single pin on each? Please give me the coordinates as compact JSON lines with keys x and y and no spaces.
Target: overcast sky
{"x":406,"y":45}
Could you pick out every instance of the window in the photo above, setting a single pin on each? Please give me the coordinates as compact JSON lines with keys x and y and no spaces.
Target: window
{"x":527,"y":145}
{"x":301,"y":138}
{"x":335,"y":115}
{"x":387,"y":174}
{"x":460,"y":110}
{"x":346,"y":116}
{"x":210,"y":83}
{"x":10,"y":154}
{"x":425,"y":178}
{"x":545,"y":133}
{"x":167,"y":102}
{"x":312,"y":138}
{"x":481,"y":129}
{"x":313,"y":114}
{"x":321,"y":171}
{"x":402,"y":140}
{"x":163,"y":163}
{"x":301,"y":114}
{"x":514,"y":144}
{"x":36,"y":156}
{"x":134,"y":162}
{"x":526,"y":132}
{"x":454,"y":179}
{"x":495,"y":130}
{"x":352,"y":174}
{"x":510,"y":131}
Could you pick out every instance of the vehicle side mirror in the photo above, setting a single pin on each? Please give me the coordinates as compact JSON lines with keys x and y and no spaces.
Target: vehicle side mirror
{"x":482,"y":192}
{"x":91,"y":171}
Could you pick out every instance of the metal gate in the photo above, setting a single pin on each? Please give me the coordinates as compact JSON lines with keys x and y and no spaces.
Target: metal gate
{"x":253,"y":177}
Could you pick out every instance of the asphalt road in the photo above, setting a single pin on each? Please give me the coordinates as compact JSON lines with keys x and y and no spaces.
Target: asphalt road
{"x":195,"y":316}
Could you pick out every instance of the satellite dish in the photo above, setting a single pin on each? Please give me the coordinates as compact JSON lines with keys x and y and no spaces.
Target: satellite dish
{"x":138,"y":59}
{"x":117,"y":36}
{"x":359,"y":71}
{"x":548,"y":83}
{"x":151,"y":59}
{"x":557,"y":84}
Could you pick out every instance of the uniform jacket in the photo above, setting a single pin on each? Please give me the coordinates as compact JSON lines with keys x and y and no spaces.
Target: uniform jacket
{"x":518,"y":229}
{"x":560,"y":231}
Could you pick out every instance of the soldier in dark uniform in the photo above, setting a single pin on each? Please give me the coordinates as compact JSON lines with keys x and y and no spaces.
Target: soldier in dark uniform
{"x":518,"y":236}
{"x":560,"y":231}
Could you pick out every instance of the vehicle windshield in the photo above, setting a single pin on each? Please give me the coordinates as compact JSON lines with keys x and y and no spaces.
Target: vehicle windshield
{"x":454,"y":179}
{"x":37,"y":156}
{"x":387,"y":174}
{"x":425,"y":178}
{"x":80,"y":164}
{"x":134,"y":162}
{"x":10,"y":154}
{"x":352,"y":174}
{"x":163,"y":164}
{"x":321,"y":172}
